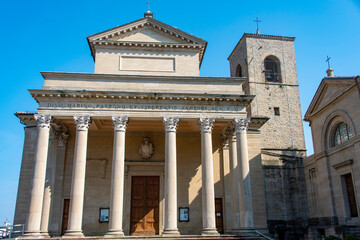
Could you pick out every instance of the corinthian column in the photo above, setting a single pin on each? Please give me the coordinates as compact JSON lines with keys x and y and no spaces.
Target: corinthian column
{"x":246,"y":212}
{"x":117,"y":177}
{"x":208,"y":195}
{"x":33,"y":220}
{"x":170,"y":124}
{"x":78,"y":177}
{"x":234,"y":181}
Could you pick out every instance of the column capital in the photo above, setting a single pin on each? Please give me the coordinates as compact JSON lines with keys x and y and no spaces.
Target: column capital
{"x":170,"y":123}
{"x":206,"y":124}
{"x":82,"y":122}
{"x":231,"y":133}
{"x":241,"y":124}
{"x":120,"y":123}
{"x":43,"y":121}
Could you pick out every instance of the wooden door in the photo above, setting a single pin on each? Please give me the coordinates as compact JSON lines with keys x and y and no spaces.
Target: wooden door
{"x":144,"y":205}
{"x":219,"y":215}
{"x":65,"y":216}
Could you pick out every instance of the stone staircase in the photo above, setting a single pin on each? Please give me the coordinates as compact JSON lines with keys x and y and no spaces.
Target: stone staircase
{"x":352,"y":230}
{"x":245,"y":236}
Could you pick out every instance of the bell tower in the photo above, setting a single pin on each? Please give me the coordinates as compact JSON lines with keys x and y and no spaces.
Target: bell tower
{"x":268,"y":65}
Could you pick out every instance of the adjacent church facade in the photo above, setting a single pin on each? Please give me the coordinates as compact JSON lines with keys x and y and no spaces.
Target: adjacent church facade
{"x":332,"y":172}
{"x":145,"y":146}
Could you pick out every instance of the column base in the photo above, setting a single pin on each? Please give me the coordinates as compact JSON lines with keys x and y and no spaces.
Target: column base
{"x":45,"y":234}
{"x":209,"y":232}
{"x":170,"y":232}
{"x":32,"y":234}
{"x":74,"y":234}
{"x":114,"y":233}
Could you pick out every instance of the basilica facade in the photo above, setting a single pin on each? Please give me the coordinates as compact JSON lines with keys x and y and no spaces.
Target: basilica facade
{"x":146,"y":146}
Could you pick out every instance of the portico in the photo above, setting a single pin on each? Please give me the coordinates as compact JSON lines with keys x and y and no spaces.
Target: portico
{"x":140,"y":146}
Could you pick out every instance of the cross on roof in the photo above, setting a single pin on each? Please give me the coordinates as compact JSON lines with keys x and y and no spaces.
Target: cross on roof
{"x":257,"y":23}
{"x":328,"y":60}
{"x":148,"y":3}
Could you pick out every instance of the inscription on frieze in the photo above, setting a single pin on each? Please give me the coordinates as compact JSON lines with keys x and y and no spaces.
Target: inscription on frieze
{"x":139,"y":107}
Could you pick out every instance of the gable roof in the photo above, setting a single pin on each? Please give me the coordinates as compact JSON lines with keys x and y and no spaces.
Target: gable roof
{"x":163,"y":36}
{"x":330,"y":89}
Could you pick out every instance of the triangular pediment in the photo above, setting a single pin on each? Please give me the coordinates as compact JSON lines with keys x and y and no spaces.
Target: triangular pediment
{"x":148,"y":34}
{"x":147,"y":30}
{"x":328,"y":91}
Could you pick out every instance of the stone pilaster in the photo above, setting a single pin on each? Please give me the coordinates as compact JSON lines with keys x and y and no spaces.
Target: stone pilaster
{"x":78,"y":177}
{"x":208,"y":194}
{"x":246,"y":212}
{"x":33,"y":220}
{"x":117,"y":177}
{"x":170,"y":192}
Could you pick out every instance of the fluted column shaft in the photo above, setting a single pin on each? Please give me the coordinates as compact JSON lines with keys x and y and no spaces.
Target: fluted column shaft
{"x":170,"y":228}
{"x":234,"y":182}
{"x":208,"y":194}
{"x":49,"y":184}
{"x":117,"y":177}
{"x":78,"y":177}
{"x":33,"y":220}
{"x":246,"y":211}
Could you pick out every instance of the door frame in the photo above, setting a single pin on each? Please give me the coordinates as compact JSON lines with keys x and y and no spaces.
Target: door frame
{"x":136,"y":168}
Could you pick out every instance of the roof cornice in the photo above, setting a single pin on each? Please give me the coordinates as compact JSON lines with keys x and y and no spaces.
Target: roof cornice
{"x":88,"y":94}
{"x":69,"y":75}
{"x":260,"y":36}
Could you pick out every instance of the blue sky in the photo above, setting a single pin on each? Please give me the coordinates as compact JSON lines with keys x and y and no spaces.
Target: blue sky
{"x":47,"y":35}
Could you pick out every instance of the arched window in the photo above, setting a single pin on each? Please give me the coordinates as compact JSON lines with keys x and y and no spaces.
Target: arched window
{"x":272,"y":69}
{"x":342,"y":133}
{"x":238,"y":71}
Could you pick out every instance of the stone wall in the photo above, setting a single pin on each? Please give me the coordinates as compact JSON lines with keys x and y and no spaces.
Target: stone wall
{"x":26,"y":172}
{"x":327,"y":194}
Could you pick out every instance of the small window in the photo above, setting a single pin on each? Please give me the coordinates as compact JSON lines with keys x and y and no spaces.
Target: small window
{"x":276,"y":111}
{"x":342,"y":134}
{"x":239,"y":71}
{"x":272,"y":69}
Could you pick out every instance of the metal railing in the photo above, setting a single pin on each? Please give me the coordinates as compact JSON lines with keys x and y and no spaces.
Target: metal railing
{"x":11,"y":231}
{"x":263,"y":235}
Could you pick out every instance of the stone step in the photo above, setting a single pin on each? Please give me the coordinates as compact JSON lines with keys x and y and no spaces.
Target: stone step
{"x":181,"y":237}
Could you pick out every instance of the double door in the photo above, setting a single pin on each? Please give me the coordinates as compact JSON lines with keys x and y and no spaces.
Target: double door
{"x":144,"y":205}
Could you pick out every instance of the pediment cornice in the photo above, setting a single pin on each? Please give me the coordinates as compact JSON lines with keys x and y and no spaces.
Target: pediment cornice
{"x":317,"y":103}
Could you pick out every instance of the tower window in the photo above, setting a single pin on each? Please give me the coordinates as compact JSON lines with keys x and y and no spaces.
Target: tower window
{"x":239,"y":71}
{"x":272,"y":69}
{"x":276,"y":111}
{"x":342,"y":134}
